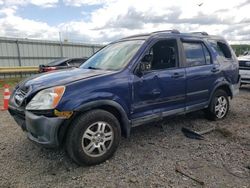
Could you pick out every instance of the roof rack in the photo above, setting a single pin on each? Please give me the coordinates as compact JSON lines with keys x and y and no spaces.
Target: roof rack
{"x":201,"y":33}
{"x":174,"y":31}
{"x":139,"y":35}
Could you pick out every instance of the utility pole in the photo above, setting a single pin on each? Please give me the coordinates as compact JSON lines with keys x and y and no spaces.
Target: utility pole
{"x":61,"y":46}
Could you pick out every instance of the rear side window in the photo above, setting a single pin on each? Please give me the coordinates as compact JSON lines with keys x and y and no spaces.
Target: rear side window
{"x":63,"y":64}
{"x":222,"y":49}
{"x":196,"y":54}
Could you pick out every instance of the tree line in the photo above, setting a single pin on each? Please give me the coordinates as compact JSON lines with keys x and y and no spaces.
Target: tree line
{"x":240,"y":49}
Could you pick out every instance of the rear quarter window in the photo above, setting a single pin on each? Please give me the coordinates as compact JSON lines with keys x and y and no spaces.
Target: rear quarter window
{"x":222,"y":49}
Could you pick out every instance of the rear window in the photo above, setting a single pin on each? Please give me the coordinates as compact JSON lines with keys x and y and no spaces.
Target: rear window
{"x":76,"y":62}
{"x":222,"y":49}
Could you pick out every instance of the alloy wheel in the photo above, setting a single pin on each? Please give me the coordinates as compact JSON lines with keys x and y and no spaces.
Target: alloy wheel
{"x":221,"y":107}
{"x":97,"y":139}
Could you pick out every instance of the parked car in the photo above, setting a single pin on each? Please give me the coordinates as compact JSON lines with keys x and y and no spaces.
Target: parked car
{"x":246,"y":53}
{"x":244,"y":62}
{"x":62,"y":63}
{"x":130,"y":82}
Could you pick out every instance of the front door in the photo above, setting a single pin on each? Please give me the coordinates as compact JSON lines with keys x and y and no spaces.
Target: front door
{"x":160,"y":89}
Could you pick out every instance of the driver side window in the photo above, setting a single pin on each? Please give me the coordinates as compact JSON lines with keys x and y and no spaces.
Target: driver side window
{"x":163,"y":55}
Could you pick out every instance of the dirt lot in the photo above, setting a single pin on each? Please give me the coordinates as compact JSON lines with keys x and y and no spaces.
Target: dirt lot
{"x":148,"y":159}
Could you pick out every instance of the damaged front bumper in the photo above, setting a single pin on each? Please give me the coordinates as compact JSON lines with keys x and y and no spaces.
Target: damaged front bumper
{"x":40,"y":129}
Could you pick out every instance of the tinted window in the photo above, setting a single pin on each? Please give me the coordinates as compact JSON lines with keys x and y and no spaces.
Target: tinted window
{"x":76,"y":62}
{"x":196,"y":54}
{"x":63,"y":64}
{"x":164,"y":55}
{"x":225,"y":50}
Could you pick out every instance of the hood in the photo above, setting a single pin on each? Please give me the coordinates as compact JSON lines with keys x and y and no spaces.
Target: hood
{"x":60,"y":77}
{"x":244,"y":58}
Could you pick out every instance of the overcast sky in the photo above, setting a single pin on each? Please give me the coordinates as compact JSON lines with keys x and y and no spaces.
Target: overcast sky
{"x":100,"y":21}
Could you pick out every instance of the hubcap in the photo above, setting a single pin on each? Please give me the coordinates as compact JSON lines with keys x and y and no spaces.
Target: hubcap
{"x":97,"y":139}
{"x":221,"y":107}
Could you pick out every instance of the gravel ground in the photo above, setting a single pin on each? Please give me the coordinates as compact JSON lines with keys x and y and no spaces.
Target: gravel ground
{"x":149,"y":158}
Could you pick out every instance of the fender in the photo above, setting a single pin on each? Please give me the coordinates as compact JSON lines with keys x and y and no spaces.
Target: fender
{"x":125,"y":122}
{"x":221,"y":83}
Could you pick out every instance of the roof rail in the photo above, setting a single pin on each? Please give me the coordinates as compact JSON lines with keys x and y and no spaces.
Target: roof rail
{"x":175,"y":31}
{"x":201,"y":33}
{"x":139,"y":35}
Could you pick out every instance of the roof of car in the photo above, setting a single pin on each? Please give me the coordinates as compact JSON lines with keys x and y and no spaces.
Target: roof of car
{"x":173,"y":32}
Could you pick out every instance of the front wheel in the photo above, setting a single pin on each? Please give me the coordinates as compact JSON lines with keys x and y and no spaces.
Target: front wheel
{"x":93,"y":137}
{"x":219,"y":106}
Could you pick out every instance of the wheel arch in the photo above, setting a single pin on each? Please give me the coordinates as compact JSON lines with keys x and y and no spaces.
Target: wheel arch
{"x":110,"y":106}
{"x":223,"y":86}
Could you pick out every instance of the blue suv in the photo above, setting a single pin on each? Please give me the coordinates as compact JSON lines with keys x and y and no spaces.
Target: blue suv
{"x":132,"y":81}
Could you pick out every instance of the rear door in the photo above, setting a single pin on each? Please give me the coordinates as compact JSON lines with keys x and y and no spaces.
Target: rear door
{"x":201,"y":73}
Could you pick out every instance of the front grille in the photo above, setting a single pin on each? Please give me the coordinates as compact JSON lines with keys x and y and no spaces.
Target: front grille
{"x":20,"y":95}
{"x":244,"y":64}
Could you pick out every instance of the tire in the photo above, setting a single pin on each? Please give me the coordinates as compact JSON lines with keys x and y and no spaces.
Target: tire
{"x":93,"y":137}
{"x":219,"y":106}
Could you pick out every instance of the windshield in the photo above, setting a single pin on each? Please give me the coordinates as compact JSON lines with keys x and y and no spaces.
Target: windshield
{"x":113,"y":57}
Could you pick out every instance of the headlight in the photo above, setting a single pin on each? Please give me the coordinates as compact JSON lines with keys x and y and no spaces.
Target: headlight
{"x":46,"y":99}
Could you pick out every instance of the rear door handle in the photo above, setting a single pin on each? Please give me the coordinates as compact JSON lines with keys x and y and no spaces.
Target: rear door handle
{"x":177,"y":75}
{"x":215,"y":69}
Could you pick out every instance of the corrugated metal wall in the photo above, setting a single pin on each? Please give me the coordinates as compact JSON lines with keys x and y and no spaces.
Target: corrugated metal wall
{"x":26,"y":52}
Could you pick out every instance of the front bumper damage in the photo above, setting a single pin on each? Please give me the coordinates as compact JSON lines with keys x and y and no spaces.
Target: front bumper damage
{"x":40,"y":129}
{"x":43,"y":130}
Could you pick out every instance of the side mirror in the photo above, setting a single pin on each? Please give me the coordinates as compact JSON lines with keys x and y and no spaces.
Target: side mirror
{"x":147,"y":58}
{"x":145,"y":66}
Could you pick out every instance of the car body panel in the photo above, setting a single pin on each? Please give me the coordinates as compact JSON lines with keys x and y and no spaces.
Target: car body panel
{"x":158,"y":91}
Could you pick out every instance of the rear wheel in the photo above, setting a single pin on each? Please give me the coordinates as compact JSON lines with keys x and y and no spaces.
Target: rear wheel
{"x":93,"y":137}
{"x":219,"y":106}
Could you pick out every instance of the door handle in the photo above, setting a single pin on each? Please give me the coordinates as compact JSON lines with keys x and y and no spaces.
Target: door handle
{"x":215,"y":69}
{"x":177,"y":75}
{"x":156,"y":92}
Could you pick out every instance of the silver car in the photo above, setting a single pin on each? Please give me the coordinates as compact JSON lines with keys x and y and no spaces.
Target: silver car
{"x":244,"y":67}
